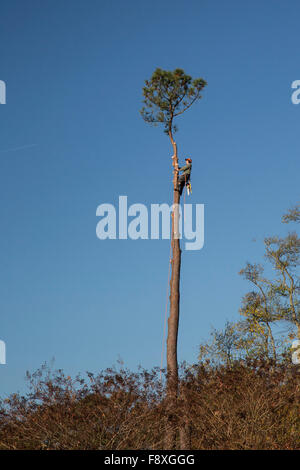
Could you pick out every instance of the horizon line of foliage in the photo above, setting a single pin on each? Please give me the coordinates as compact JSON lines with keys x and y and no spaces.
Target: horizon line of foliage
{"x":251,"y":405}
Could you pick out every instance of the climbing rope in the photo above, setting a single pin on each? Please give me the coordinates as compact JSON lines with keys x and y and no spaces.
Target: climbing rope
{"x":166,"y":312}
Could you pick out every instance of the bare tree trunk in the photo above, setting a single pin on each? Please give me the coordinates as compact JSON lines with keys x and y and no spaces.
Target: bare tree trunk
{"x":173,"y":320}
{"x":272,"y":341}
{"x":185,"y":428}
{"x":185,"y":435}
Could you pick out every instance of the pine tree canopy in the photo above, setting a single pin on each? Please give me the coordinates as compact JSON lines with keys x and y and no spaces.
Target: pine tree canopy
{"x":167,"y":95}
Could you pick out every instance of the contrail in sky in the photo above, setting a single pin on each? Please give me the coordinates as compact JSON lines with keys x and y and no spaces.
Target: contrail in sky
{"x":14,"y":149}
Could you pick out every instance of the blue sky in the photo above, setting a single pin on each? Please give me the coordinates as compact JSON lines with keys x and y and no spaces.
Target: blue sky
{"x":72,"y":138}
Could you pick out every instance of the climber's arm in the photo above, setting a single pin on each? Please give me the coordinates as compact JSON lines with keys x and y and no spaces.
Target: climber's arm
{"x":183,"y":168}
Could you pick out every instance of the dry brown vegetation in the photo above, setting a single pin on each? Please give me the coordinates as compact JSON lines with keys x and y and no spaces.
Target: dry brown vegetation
{"x":248,"y":405}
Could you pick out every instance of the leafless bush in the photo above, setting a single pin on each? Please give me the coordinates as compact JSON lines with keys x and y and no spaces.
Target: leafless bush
{"x":246,"y":406}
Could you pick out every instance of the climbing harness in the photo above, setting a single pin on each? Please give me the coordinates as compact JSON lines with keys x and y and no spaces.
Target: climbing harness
{"x":189,"y":188}
{"x":188,"y":185}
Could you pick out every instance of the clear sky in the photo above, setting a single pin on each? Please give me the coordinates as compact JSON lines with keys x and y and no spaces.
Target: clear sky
{"x":72,"y":138}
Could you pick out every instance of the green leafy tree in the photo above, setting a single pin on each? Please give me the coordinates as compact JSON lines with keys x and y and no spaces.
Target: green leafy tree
{"x":293,"y":215}
{"x":276,"y":299}
{"x":224,"y":346}
{"x":258,"y":308}
{"x":284,"y":255}
{"x":167,"y":95}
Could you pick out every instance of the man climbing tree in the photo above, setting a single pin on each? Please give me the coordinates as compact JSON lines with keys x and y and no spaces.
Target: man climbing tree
{"x":184,"y":178}
{"x":167,"y":95}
